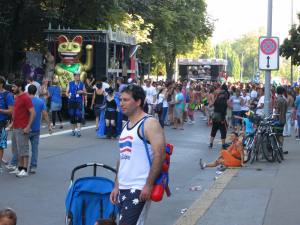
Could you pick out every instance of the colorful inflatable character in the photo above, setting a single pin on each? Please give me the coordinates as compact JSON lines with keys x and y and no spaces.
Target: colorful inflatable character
{"x":70,"y":52}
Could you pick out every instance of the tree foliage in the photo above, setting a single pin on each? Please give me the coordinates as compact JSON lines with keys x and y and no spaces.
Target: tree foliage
{"x":291,"y":45}
{"x":165,"y":28}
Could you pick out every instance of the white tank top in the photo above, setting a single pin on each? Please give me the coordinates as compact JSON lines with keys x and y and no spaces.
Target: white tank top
{"x":134,"y":164}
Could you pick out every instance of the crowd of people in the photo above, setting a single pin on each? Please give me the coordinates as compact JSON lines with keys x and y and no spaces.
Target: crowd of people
{"x":119,"y":107}
{"x":222,"y":106}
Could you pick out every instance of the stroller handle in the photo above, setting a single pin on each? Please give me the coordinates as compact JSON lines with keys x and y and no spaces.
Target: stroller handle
{"x":94,"y":165}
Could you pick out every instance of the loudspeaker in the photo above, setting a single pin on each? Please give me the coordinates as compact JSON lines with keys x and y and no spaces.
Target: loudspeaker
{"x":99,"y":67}
{"x":183,"y":71}
{"x":215,"y":69}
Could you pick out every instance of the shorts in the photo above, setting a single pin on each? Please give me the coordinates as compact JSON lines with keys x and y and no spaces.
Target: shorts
{"x":235,"y":121}
{"x":110,"y":115}
{"x":20,"y":142}
{"x":222,"y":126}
{"x":132,"y":211}
{"x":75,"y":112}
{"x":178,"y":113}
{"x":3,"y":134}
{"x":55,"y":106}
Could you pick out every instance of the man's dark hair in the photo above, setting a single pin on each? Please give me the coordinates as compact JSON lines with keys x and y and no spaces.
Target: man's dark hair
{"x":10,"y":214}
{"x":136,"y":92}
{"x":103,"y":79}
{"x":20,"y":83}
{"x":32,"y":89}
{"x":2,"y":80}
{"x":235,"y":133}
{"x":280,"y":90}
{"x":179,"y":87}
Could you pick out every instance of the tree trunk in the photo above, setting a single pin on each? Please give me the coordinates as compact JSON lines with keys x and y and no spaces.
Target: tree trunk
{"x":170,"y":60}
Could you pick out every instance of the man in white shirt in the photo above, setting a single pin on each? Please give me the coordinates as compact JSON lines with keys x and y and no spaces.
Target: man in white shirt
{"x":37,"y":84}
{"x":260,"y":104}
{"x":136,"y":175}
{"x":253,"y":93}
{"x":150,"y":96}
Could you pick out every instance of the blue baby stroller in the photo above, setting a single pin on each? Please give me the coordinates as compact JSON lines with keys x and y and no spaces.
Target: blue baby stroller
{"x":88,"y":198}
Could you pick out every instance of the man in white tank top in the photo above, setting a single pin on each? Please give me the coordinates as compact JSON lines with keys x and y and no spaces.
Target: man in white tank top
{"x":135,"y":177}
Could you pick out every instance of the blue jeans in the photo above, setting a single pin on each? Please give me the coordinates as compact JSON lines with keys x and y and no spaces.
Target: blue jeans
{"x":162,"y":117}
{"x":34,"y":137}
{"x":298,"y":120}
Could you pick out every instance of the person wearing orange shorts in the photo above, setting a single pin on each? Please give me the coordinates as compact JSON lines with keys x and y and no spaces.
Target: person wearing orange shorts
{"x":232,"y":157}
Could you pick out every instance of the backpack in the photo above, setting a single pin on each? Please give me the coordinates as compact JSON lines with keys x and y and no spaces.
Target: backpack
{"x":162,"y":182}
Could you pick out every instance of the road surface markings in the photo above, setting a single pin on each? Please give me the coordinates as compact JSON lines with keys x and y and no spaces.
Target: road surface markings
{"x":200,"y":206}
{"x":59,"y":133}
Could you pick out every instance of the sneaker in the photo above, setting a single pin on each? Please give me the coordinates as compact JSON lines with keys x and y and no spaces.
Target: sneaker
{"x":78,"y":134}
{"x":32,"y":170}
{"x":222,"y":168}
{"x":10,"y":167}
{"x":22,"y":173}
{"x":201,"y":164}
{"x":53,"y":127}
{"x":16,"y":171}
{"x":210,"y":145}
{"x":73,"y":133}
{"x":285,"y":152}
{"x":61,"y":127}
{"x":297,"y":139}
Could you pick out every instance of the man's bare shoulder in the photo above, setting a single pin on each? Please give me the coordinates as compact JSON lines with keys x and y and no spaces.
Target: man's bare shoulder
{"x":152,"y":126}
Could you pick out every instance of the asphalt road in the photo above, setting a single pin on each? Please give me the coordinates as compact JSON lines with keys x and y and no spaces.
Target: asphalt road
{"x":39,"y":198}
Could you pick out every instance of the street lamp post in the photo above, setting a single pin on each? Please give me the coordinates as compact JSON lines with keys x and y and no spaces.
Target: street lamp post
{"x":292,"y":23}
{"x":242,"y":68}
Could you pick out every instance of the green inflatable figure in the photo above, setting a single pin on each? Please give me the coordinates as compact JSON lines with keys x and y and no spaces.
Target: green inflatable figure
{"x":70,"y":53}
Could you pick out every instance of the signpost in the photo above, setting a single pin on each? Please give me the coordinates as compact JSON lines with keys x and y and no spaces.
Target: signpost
{"x":268,"y":53}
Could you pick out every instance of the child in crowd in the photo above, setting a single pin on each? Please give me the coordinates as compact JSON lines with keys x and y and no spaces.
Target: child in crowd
{"x":248,"y":126}
{"x":8,"y":217}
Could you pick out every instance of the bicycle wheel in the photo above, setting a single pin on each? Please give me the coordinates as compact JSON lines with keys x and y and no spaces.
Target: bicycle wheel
{"x":267,"y":149}
{"x":275,"y":147}
{"x":248,"y":148}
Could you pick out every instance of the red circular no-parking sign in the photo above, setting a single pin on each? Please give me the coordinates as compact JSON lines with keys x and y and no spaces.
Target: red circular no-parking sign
{"x":268,"y":46}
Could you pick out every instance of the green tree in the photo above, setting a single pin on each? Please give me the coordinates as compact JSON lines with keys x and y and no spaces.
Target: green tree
{"x":291,"y":45}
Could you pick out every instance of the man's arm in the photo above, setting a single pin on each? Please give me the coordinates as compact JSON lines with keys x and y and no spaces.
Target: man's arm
{"x":155,"y":134}
{"x":7,"y":111}
{"x":31,"y":118}
{"x":115,"y":192}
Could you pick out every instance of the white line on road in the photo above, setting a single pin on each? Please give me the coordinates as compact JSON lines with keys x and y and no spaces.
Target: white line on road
{"x":59,"y":133}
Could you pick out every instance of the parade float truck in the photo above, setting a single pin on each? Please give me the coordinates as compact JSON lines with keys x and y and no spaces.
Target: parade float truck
{"x":97,"y":53}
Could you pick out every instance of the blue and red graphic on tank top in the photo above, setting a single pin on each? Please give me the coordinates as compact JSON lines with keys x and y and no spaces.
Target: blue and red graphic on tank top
{"x":125,"y":145}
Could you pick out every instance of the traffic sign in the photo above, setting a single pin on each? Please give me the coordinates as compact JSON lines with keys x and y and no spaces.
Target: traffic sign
{"x":268,"y":53}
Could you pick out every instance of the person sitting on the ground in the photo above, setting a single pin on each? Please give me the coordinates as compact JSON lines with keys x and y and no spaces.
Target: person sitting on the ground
{"x":8,"y":217}
{"x":232,"y":157}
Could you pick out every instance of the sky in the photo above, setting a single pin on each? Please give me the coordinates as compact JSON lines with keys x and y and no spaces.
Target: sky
{"x":237,"y":17}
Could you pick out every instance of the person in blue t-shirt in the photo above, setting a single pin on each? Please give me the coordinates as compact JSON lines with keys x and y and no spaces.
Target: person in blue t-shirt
{"x":34,"y":135}
{"x":248,"y":126}
{"x":54,"y":93}
{"x":297,"y":108}
{"x":6,"y":108}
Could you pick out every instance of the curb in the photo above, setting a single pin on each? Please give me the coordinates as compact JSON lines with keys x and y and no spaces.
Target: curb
{"x":200,"y":206}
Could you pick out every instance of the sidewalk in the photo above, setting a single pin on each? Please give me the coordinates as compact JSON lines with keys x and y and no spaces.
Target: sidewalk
{"x":259,"y":194}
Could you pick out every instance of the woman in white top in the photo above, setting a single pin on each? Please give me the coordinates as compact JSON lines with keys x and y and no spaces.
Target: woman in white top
{"x":161,"y":105}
